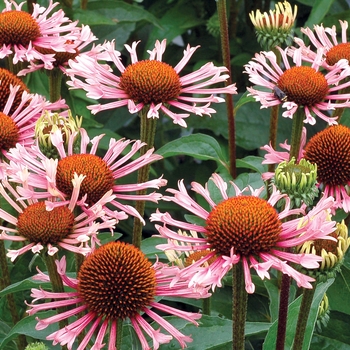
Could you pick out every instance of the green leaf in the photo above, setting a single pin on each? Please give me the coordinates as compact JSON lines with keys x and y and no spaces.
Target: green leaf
{"x":340,"y":291}
{"x":336,"y":333}
{"x":148,"y":246}
{"x":293,"y":313}
{"x":26,"y":284}
{"x":174,"y":22}
{"x":27,"y":325}
{"x":319,"y":10}
{"x":199,"y":146}
{"x":114,"y":11}
{"x":211,"y":325}
{"x":253,"y":163}
{"x":243,"y":100}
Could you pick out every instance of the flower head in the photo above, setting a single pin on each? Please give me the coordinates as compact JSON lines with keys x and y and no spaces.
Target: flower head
{"x":100,"y":175}
{"x":299,"y":86}
{"x":19,"y":111}
{"x":330,"y":150}
{"x":116,"y":282}
{"x":69,"y":51}
{"x":332,"y":253}
{"x":298,"y":181}
{"x":26,"y":36}
{"x":150,"y":84}
{"x":327,"y":40}
{"x":48,"y":224}
{"x":243,"y":229}
{"x":275,"y":28}
{"x":48,"y":124}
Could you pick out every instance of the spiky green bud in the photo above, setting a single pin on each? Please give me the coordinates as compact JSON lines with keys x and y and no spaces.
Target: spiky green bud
{"x":298,"y":181}
{"x":275,"y":28}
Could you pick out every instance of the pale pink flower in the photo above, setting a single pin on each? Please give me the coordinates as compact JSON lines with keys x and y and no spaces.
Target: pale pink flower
{"x":100,"y":175}
{"x":299,"y":85}
{"x":243,"y":229}
{"x":115,"y":282}
{"x":26,"y":36}
{"x":327,"y":40}
{"x":76,"y":47}
{"x":19,"y":110}
{"x":48,"y":224}
{"x":329,"y":149}
{"x":150,"y":83}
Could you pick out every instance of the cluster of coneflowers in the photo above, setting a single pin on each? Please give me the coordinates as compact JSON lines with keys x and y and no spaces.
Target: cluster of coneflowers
{"x":61,"y":193}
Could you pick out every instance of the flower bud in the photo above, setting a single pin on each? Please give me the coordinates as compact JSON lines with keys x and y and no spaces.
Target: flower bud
{"x":275,"y":28}
{"x":298,"y":181}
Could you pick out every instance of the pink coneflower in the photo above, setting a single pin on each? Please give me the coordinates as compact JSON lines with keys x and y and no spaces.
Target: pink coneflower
{"x":299,"y":86}
{"x":244,"y":229}
{"x":100,"y":174}
{"x":330,"y":150}
{"x":150,"y":83}
{"x":326,"y":39}
{"x":116,"y":282}
{"x":23,"y":36}
{"x":61,"y":58}
{"x":19,"y":111}
{"x":48,"y":224}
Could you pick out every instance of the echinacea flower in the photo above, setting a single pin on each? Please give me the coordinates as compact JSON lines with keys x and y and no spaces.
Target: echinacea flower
{"x":19,"y":111}
{"x":24,"y":35}
{"x":332,"y":253}
{"x":244,"y":229}
{"x":84,"y":37}
{"x":47,"y":224}
{"x":150,"y":83}
{"x":100,"y":174}
{"x":329,"y":149}
{"x":327,"y":40}
{"x":276,"y":27}
{"x":299,"y":86}
{"x":115,"y":282}
{"x":187,"y":257}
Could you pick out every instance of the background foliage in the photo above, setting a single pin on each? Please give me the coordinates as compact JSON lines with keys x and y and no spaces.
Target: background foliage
{"x":194,"y":154}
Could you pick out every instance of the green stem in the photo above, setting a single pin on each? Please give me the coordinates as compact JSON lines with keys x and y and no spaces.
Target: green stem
{"x":306,"y":301}
{"x":30,"y":5}
{"x":274,"y":119}
{"x":147,"y":134}
{"x":83,"y":4}
{"x":239,"y":307}
{"x":56,"y":281}
{"x":5,"y":281}
{"x":67,"y":3}
{"x":119,"y":334}
{"x":225,"y":49}
{"x":283,"y":312}
{"x":55,"y":82}
{"x":297,"y":128}
{"x":206,"y":306}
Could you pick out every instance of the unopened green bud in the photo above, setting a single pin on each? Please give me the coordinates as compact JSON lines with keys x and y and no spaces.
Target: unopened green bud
{"x":332,"y":253}
{"x":36,"y":346}
{"x":298,"y":181}
{"x":323,"y":314}
{"x":48,"y":124}
{"x":275,"y":28}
